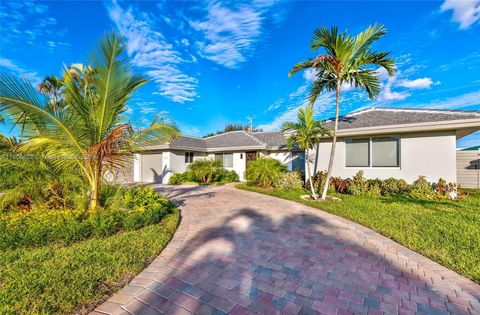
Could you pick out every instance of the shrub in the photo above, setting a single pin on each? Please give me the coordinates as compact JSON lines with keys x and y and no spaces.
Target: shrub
{"x":204,"y":170}
{"x":264,"y":171}
{"x":421,"y":188}
{"x":131,"y":209}
{"x":358,"y":184}
{"x":226,"y":176}
{"x":289,"y":181}
{"x":374,"y":187}
{"x":177,"y":179}
{"x":318,"y":181}
{"x":340,"y":185}
{"x":393,"y":186}
{"x":441,"y":187}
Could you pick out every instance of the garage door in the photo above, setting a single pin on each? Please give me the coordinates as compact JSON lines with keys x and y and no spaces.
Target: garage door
{"x":151,"y":168}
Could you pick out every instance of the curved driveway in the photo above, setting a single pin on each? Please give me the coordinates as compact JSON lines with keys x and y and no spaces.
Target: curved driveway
{"x":240,"y":252}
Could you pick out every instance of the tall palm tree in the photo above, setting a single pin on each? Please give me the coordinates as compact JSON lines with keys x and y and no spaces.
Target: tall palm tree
{"x":345,"y":59}
{"x":92,"y":130}
{"x":51,"y":86}
{"x":305,"y":133}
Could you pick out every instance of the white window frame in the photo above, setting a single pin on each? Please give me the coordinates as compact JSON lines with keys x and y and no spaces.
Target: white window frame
{"x":223,"y":159}
{"x":370,"y":154}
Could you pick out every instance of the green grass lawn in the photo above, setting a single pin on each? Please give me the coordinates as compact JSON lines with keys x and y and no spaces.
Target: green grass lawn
{"x":74,"y":278}
{"x":446,"y":231}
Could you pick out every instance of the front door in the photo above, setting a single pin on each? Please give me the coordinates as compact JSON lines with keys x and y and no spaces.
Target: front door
{"x":250,"y":156}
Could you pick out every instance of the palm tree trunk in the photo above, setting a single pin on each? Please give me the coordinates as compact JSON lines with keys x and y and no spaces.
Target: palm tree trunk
{"x":334,"y":143}
{"x":95,"y":189}
{"x":309,"y":175}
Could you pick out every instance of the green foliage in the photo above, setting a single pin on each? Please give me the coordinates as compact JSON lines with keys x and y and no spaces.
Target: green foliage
{"x":264,"y":171}
{"x":72,"y":279}
{"x":446,"y":231}
{"x":422,"y":188}
{"x":87,"y":132}
{"x":358,"y":184}
{"x":178,"y":179}
{"x":318,"y":181}
{"x":340,"y":185}
{"x":374,"y":187}
{"x":204,"y":171}
{"x":289,"y":180}
{"x":130,"y":209}
{"x":393,"y":186}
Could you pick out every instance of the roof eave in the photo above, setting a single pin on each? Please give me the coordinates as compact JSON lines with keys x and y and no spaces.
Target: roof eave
{"x":409,"y":128}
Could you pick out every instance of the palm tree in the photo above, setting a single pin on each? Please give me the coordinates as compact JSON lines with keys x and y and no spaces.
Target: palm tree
{"x":88,"y":135}
{"x":305,"y":133}
{"x":349,"y":60}
{"x":51,"y":86}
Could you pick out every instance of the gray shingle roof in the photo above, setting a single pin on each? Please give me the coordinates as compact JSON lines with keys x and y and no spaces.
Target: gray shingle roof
{"x":189,"y":142}
{"x":271,"y":139}
{"x":375,"y":117}
{"x":233,"y":139}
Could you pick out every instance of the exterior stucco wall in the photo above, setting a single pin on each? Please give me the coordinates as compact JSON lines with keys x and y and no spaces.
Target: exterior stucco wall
{"x":151,"y":167}
{"x":284,"y":157}
{"x":428,"y":154}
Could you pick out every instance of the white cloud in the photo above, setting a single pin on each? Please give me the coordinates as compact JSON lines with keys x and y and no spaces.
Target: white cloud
{"x":310,"y":75}
{"x":29,"y":23}
{"x":151,"y":50}
{"x":465,"y":12}
{"x":423,"y":83}
{"x":10,"y":66}
{"x":456,"y":102}
{"x":230,"y":34}
{"x":387,"y":95}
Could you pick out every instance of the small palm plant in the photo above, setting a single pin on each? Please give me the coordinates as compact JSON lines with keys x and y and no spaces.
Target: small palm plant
{"x":349,"y":60}
{"x":87,"y":135}
{"x":305,"y":133}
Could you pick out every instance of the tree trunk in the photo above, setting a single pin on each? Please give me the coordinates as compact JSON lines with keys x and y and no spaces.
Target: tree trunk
{"x":309,"y":175}
{"x":334,"y":143}
{"x":95,"y":189}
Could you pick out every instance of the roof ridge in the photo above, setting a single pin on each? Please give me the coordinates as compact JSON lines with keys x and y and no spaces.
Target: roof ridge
{"x":223,"y":133}
{"x":191,"y":137}
{"x":254,"y":138}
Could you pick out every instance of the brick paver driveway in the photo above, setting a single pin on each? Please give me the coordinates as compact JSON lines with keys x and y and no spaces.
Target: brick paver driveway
{"x":240,"y":252}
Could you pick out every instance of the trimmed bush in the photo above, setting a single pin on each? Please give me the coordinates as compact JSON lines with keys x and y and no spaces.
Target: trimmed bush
{"x":374,"y":187}
{"x":205,"y":171}
{"x":421,"y":188}
{"x":289,"y":181}
{"x":318,"y":182}
{"x":393,"y":186}
{"x":264,"y":172}
{"x":358,"y":184}
{"x":340,"y":185}
{"x":132,"y":209}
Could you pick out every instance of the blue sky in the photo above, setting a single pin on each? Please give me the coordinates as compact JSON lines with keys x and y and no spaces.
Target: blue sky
{"x":212,"y":62}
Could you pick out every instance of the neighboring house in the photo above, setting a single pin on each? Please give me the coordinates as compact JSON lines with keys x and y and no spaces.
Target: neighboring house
{"x":468,"y":167}
{"x":382,"y":142}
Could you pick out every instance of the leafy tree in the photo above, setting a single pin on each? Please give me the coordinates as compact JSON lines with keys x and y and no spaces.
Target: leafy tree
{"x":90,"y":132}
{"x":305,"y":133}
{"x":345,"y":59}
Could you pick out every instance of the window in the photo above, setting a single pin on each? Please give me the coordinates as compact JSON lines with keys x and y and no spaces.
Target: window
{"x":225,"y":158}
{"x":385,"y":152}
{"x":373,"y":152}
{"x":188,"y":157}
{"x":358,"y":153}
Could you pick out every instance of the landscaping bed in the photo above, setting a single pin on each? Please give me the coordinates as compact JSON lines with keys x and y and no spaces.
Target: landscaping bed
{"x":69,"y":260}
{"x":446,"y":231}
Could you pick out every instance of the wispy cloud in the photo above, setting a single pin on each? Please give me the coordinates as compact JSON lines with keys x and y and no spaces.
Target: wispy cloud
{"x":230,"y":34}
{"x":16,"y":70}
{"x":29,"y":23}
{"x":153,"y":52}
{"x":465,"y":12}
{"x":462,"y":101}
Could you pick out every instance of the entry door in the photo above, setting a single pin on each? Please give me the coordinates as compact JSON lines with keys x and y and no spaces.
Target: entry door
{"x":250,"y":156}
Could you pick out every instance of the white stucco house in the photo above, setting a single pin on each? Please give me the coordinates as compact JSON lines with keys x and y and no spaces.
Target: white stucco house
{"x":382,"y":142}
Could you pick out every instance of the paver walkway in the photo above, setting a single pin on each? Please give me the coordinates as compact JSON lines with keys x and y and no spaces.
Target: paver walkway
{"x":240,"y":252}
